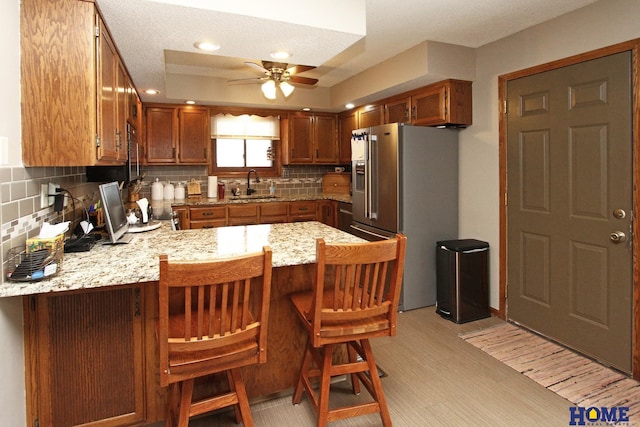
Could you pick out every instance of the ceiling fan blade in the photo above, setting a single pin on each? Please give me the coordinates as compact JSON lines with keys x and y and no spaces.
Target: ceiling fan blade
{"x":299,"y":69}
{"x":249,"y":80}
{"x":257,"y":67}
{"x":303,"y":80}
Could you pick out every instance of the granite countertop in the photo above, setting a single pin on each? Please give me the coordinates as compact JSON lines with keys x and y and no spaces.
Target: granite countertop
{"x":137,"y":261}
{"x":205,"y":201}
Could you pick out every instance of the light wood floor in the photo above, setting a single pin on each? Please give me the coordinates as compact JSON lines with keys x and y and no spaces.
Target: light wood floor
{"x":434,"y":378}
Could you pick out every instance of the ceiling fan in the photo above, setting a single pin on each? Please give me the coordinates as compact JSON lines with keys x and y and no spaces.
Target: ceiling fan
{"x":279,"y":74}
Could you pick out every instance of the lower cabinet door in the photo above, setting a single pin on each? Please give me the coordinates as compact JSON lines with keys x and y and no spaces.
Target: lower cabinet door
{"x":243,"y":214}
{"x":85,"y":356}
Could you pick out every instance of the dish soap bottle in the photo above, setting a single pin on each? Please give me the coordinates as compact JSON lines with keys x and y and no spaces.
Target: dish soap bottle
{"x":272,"y":189}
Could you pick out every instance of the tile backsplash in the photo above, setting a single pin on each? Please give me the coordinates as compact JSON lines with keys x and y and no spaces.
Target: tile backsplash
{"x":22,"y":214}
{"x":294,"y":181}
{"x":21,"y":211}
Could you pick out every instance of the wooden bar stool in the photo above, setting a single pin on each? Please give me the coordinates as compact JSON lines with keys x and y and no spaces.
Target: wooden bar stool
{"x":212,"y":318}
{"x":354,"y":298}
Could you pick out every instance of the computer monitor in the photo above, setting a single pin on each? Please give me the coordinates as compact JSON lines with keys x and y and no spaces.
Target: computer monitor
{"x":113,"y":210}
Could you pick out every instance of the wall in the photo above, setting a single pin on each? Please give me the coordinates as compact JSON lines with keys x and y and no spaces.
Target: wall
{"x":604,"y":23}
{"x":12,"y":391}
{"x":601,"y":24}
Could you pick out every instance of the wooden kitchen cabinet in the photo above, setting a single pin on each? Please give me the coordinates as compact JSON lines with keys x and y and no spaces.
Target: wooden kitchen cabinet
{"x":177,"y":135}
{"x":257,"y":213}
{"x":275,"y":212}
{"x":70,"y":102}
{"x":327,"y":212}
{"x":347,"y":122}
{"x":207,"y":217}
{"x":302,"y":211}
{"x":242,"y":214}
{"x":312,"y":139}
{"x":111,"y":115}
{"x":133,"y":106}
{"x":85,"y":358}
{"x":299,"y":147}
{"x":370,"y":115}
{"x":161,"y":135}
{"x":194,"y":136}
{"x":443,"y":103}
{"x":398,"y":110}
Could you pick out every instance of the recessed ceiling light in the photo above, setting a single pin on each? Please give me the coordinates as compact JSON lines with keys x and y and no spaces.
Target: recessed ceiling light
{"x":208,"y":46}
{"x":190,"y":102}
{"x":349,"y":106}
{"x":151,"y":92}
{"x":281,"y":54}
{"x":306,"y":109}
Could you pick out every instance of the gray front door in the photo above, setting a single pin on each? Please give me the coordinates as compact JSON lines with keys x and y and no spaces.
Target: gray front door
{"x":569,"y":186}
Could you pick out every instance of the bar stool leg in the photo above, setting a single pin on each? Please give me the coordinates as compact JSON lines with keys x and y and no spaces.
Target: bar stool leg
{"x":185,"y":402}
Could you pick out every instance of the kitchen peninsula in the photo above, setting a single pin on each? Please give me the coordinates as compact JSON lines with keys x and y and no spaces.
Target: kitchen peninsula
{"x":90,"y":346}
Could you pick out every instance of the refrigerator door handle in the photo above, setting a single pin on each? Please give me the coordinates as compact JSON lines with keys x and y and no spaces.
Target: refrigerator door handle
{"x":367,"y":180}
{"x":369,"y":232}
{"x":370,"y":202}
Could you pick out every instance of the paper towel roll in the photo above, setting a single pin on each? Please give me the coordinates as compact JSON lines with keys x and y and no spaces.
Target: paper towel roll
{"x":212,"y":187}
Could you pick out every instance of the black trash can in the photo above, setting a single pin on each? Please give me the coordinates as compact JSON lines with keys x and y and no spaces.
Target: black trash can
{"x":462,"y":285}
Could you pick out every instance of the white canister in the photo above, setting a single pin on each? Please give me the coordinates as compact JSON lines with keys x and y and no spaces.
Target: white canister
{"x":168,"y":191}
{"x":179,"y":191}
{"x":157,"y":190}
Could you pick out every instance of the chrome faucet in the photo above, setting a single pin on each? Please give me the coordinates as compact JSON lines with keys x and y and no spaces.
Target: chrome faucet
{"x":249,"y":189}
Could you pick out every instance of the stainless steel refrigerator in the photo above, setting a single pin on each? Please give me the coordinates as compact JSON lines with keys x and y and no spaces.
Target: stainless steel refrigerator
{"x":405,"y":179}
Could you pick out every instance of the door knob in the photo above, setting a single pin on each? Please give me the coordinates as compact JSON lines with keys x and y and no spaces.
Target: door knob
{"x":618,"y":236}
{"x":619,"y":213}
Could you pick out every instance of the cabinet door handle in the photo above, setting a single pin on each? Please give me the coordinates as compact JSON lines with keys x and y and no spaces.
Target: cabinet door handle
{"x":413,"y":112}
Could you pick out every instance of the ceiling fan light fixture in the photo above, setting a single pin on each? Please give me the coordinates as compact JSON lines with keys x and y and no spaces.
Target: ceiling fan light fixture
{"x":206,"y":46}
{"x":281,"y":54}
{"x":286,"y":88}
{"x":269,"y":89}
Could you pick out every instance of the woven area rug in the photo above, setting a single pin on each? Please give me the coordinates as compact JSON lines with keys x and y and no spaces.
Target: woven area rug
{"x":578,"y":379}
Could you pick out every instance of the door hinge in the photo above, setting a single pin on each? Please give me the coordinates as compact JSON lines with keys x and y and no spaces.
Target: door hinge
{"x":506,"y":199}
{"x":97,"y":140}
{"x":97,"y":31}
{"x":504,"y":107}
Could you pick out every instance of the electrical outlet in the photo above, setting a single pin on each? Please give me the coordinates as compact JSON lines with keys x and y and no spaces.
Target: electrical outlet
{"x":44,"y":195}
{"x":47,"y":193}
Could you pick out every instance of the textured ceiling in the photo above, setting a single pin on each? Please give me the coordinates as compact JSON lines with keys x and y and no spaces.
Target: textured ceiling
{"x":155,"y":38}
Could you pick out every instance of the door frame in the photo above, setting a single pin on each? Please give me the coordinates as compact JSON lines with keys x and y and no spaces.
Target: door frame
{"x":634,"y":47}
